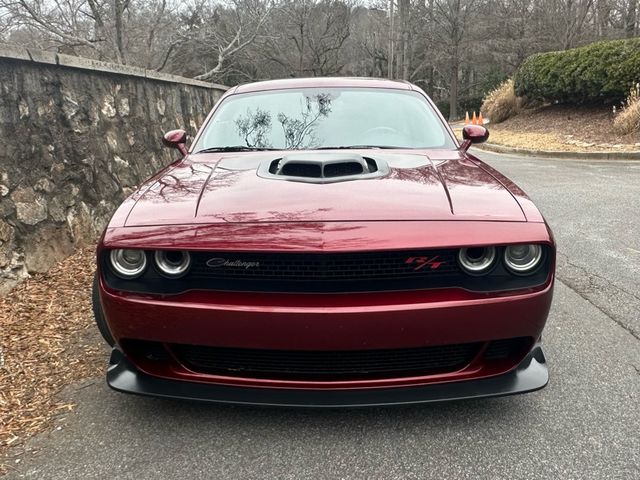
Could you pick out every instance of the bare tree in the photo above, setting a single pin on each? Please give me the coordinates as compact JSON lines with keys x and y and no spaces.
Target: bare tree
{"x":72,"y":23}
{"x":366,"y":50}
{"x":392,"y":38}
{"x":452,"y":18}
{"x":119,"y":7}
{"x":404,"y":58}
{"x":152,"y":32}
{"x":244,"y":22}
{"x":330,"y":29}
{"x":308,"y":37}
{"x":122,"y":31}
{"x":454,"y":49}
{"x":631,"y":19}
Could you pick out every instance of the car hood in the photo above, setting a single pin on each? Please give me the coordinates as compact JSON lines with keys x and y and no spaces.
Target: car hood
{"x":213,"y":188}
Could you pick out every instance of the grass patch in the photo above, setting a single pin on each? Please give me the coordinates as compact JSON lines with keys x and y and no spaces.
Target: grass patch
{"x":628,"y":119}
{"x":500,"y":103}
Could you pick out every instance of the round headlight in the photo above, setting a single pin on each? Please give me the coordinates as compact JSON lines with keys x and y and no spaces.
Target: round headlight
{"x":522,"y":259}
{"x":477,"y":260}
{"x":128,"y":263}
{"x":172,"y":263}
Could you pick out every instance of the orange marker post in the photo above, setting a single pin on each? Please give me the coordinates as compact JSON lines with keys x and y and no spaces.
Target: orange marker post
{"x":474,"y":120}
{"x":480,"y":119}
{"x":466,"y":118}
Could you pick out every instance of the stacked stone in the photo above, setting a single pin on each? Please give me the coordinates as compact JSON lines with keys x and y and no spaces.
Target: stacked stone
{"x":78,"y":137}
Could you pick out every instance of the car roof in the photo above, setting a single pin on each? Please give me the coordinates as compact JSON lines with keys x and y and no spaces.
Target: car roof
{"x":323,"y":82}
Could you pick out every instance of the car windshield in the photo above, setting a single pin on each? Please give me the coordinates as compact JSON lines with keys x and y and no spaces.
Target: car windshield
{"x":311,"y":118}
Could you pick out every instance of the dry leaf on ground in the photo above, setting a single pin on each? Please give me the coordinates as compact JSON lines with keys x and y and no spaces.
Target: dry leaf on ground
{"x":47,"y":341}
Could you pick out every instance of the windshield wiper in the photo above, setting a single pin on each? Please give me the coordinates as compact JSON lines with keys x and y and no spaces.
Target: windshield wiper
{"x":348,"y":147}
{"x":234,"y":148}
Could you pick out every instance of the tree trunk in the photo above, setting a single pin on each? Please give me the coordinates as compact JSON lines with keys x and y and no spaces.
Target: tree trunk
{"x":301,"y":53}
{"x":432,"y":81}
{"x":453,"y":90}
{"x":120,"y":6}
{"x":404,"y":60}
{"x":98,"y":22}
{"x":432,"y":68}
{"x":391,"y":39}
{"x":630,"y":23}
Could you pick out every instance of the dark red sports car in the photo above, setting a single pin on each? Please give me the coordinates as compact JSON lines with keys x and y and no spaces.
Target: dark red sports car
{"x":326,"y":242}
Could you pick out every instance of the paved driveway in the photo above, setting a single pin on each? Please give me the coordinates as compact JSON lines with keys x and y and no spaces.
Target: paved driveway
{"x":585,"y":424}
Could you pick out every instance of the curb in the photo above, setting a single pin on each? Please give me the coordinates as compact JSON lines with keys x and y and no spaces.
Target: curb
{"x":630,"y":155}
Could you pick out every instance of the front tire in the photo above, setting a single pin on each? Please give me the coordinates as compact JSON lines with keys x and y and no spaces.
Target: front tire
{"x":98,"y":314}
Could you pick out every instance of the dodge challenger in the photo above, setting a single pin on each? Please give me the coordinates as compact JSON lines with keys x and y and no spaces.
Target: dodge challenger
{"x":323,"y":243}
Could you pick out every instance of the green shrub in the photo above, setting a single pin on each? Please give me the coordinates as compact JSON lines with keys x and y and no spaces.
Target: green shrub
{"x":469,"y":104}
{"x":443,"y":106}
{"x":600,"y":72}
{"x":465,"y":104}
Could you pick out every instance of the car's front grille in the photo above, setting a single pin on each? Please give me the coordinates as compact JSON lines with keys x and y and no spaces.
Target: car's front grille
{"x":320,"y":267}
{"x":506,"y":348}
{"x":325,"y":272}
{"x":326,"y":365}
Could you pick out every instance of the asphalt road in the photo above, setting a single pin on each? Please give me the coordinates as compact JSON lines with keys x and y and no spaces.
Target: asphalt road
{"x":584,"y":425}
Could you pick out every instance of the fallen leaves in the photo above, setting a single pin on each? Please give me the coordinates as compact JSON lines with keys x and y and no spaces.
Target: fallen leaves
{"x":563,"y":128}
{"x":48,"y":340}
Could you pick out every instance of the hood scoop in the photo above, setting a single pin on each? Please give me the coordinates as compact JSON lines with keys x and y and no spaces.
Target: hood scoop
{"x":323,"y":167}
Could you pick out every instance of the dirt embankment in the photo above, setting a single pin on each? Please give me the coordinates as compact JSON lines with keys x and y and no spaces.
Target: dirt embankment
{"x":563,"y":128}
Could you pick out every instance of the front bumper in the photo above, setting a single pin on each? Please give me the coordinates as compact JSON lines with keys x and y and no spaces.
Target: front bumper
{"x":530,"y":375}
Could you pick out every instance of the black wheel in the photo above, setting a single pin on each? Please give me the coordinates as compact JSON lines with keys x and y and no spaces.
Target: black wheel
{"x":98,"y":315}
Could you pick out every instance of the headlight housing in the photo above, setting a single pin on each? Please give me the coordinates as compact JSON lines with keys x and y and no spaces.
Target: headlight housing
{"x":128,"y":263}
{"x":522,"y":259}
{"x":172,"y":263}
{"x":477,"y":260}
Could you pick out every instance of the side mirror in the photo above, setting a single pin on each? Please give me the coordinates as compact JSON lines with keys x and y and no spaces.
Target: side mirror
{"x":473,"y":134}
{"x":176,"y":139}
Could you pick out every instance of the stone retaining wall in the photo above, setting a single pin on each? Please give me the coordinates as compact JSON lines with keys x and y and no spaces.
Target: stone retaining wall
{"x":78,"y":135}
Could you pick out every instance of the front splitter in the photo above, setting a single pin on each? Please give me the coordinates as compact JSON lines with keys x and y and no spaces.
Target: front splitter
{"x":530,"y":375}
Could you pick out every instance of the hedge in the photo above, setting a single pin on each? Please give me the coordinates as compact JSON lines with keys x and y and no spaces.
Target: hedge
{"x":600,"y":72}
{"x":469,"y":104}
